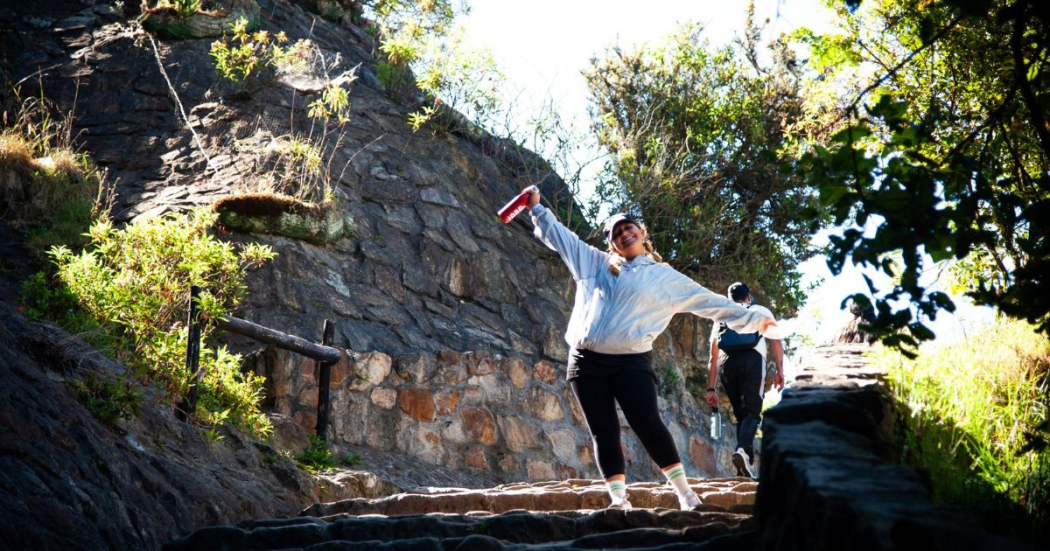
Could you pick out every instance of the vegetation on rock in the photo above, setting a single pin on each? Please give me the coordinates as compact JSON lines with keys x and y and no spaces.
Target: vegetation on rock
{"x":135,"y":281}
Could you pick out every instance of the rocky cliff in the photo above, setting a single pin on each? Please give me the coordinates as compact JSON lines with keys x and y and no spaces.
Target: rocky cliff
{"x":456,"y":317}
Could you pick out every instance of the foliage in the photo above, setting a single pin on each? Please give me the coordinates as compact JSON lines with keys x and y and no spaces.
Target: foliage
{"x":297,"y":163}
{"x":352,"y":459}
{"x":316,"y":456}
{"x":943,"y":154}
{"x":455,"y":76}
{"x":419,"y":36}
{"x":978,"y":418}
{"x":134,"y":282}
{"x":49,"y":189}
{"x":696,"y":135}
{"x":184,"y":8}
{"x":109,"y":399}
{"x":244,"y":54}
{"x":334,"y":103}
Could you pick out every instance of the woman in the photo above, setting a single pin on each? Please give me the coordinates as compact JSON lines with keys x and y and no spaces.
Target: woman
{"x":624,"y":299}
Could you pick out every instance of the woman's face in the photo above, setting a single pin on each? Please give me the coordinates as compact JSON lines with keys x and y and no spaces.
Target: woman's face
{"x":628,"y":240}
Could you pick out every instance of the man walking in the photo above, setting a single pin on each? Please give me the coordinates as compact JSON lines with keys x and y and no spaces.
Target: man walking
{"x":741,"y":361}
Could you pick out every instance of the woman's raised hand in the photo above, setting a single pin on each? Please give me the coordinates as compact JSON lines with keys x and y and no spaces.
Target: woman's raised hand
{"x":534,"y":195}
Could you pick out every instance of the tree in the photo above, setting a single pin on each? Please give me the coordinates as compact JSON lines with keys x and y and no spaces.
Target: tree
{"x":946,"y":150}
{"x":695,"y":136}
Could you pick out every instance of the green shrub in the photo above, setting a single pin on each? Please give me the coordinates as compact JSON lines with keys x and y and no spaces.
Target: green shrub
{"x":135,"y":282}
{"x":316,"y":457}
{"x":976,"y":417}
{"x":243,"y":54}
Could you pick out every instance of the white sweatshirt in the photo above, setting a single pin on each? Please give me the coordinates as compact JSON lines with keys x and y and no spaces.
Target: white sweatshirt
{"x":624,"y":314}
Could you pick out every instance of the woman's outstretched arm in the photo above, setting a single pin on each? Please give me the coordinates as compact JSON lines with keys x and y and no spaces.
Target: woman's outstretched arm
{"x":689,"y":296}
{"x":582,"y":259}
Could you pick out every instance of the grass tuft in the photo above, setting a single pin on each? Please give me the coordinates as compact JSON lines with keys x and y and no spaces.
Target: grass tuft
{"x":976,"y":417}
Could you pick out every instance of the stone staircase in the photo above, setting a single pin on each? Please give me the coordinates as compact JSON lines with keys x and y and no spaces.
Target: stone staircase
{"x":566,"y":514}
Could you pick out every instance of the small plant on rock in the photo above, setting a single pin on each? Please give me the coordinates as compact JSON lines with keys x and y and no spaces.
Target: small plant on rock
{"x":109,"y":399}
{"x":242,"y":55}
{"x":316,"y":457}
{"x":352,"y":459}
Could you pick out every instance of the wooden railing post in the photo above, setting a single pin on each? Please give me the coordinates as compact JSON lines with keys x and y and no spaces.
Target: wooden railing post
{"x":323,"y":398}
{"x":193,"y":354}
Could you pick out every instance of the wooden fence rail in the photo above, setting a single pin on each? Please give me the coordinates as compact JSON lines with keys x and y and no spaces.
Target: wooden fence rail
{"x":325,"y":354}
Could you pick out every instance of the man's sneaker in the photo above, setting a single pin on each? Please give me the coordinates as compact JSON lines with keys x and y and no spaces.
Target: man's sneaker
{"x":689,"y":502}
{"x":742,"y":463}
{"x":620,"y":504}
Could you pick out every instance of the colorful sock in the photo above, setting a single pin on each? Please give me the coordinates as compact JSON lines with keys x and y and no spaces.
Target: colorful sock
{"x":676,"y":476}
{"x":617,"y":488}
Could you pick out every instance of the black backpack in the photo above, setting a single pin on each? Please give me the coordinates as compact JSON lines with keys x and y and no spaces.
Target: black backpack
{"x":731,"y":341}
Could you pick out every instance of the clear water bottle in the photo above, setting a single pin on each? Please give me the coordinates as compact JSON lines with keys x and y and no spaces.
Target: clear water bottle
{"x":716,"y":424}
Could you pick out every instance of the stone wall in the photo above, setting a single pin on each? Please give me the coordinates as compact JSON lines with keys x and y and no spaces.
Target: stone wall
{"x":476,"y":411}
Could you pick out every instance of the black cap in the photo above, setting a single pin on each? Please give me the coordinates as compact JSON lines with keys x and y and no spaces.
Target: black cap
{"x":613,"y":220}
{"x":738,"y":291}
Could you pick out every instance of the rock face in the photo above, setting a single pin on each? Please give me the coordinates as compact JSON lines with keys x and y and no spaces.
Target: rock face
{"x":67,"y":481}
{"x":413,"y":261}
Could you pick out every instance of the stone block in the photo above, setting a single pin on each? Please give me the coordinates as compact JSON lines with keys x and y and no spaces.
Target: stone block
{"x":508,"y":464}
{"x":544,"y":405}
{"x":479,"y":425}
{"x":518,"y":434}
{"x":426,"y":445}
{"x":451,"y":369}
{"x":418,"y":403}
{"x":308,"y":397}
{"x":518,"y":372}
{"x":539,"y":470}
{"x":370,"y":369}
{"x":476,"y":458}
{"x":566,"y":472}
{"x":453,"y":432}
{"x":340,"y":370}
{"x":415,"y":368}
{"x":473,"y":395}
{"x":545,"y":372}
{"x":384,"y":397}
{"x":381,"y":431}
{"x":574,"y":406}
{"x":481,"y":362}
{"x":496,"y":391}
{"x":446,"y":401}
{"x":563,"y":443}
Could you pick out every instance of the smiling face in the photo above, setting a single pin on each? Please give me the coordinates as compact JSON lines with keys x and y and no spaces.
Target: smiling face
{"x":628,"y":239}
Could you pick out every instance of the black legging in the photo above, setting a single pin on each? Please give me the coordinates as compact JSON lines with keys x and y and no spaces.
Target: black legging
{"x":635,"y":391}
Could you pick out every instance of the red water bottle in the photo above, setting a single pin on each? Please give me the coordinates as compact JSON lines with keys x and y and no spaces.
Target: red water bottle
{"x":514,"y":207}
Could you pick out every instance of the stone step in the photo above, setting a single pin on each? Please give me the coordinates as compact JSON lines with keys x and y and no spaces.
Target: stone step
{"x":546,"y":515}
{"x":727,"y":494}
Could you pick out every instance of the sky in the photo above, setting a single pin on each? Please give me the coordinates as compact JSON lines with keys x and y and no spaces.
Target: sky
{"x":543,"y":46}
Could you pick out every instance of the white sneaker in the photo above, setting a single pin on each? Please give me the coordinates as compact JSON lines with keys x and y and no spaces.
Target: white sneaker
{"x":743,"y":463}
{"x":689,"y":501}
{"x":620,"y":504}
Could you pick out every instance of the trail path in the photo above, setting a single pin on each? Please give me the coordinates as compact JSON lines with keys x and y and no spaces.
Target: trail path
{"x":543,"y":515}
